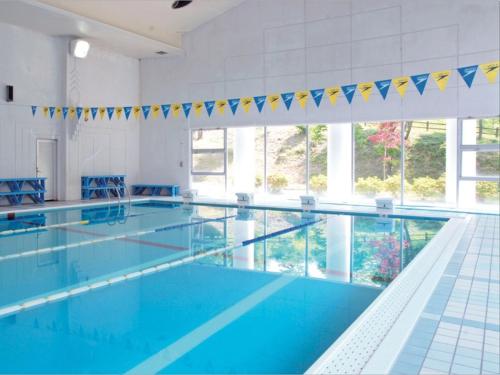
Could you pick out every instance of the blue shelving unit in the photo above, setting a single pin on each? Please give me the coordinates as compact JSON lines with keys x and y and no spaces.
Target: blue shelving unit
{"x":103,"y":186}
{"x":155,"y":190}
{"x":16,"y":189}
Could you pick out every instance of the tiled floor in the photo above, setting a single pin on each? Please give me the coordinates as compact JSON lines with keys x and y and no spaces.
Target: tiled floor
{"x":458,"y":332}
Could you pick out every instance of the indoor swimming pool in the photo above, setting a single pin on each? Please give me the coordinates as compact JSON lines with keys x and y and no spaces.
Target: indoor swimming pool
{"x":158,"y":287}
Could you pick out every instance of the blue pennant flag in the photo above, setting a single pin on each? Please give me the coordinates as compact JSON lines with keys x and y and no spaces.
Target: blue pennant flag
{"x":187,"y":108}
{"x":259,"y":102}
{"x":287,"y":98}
{"x":65,"y":112}
{"x":420,"y":80}
{"x":127,"y":111}
{"x":145,"y":110}
{"x":165,"y":108}
{"x":93,"y":111}
{"x":317,"y":95}
{"x":349,"y":91}
{"x":79,"y":112}
{"x":233,"y":104}
{"x":468,"y":73}
{"x":209,"y":106}
{"x":383,"y":87}
{"x":110,"y":111}
{"x":51,"y":111}
{"x":33,"y":110}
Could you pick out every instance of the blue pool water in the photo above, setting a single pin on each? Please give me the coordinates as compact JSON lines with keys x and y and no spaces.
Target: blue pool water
{"x":214,"y":289}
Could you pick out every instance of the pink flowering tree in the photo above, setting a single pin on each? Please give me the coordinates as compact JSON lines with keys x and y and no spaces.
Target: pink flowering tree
{"x":388,"y":137}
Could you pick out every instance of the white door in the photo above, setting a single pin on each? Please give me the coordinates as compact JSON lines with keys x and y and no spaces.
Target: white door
{"x":46,"y":165}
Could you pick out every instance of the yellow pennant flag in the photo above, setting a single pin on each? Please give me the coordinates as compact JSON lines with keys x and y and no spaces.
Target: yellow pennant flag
{"x":274,"y":101}
{"x":176,"y":109}
{"x":119,"y":111}
{"x":58,"y":113}
{"x":301,"y":97}
{"x":137,"y":111}
{"x":72,"y":112}
{"x":46,"y":111}
{"x":102,"y":112}
{"x":221,"y":106}
{"x":365,"y":89}
{"x":333,"y":93}
{"x":490,"y":70}
{"x":401,"y":84}
{"x":246,"y":103}
{"x":155,"y":110}
{"x":86,"y":112}
{"x":198,"y":107}
{"x":441,"y":78}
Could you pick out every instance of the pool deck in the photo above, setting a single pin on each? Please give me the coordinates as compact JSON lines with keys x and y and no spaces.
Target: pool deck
{"x":456,"y":328}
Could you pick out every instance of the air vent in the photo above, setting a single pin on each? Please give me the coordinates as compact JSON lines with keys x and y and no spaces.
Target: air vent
{"x":161,"y":53}
{"x":180,"y":4}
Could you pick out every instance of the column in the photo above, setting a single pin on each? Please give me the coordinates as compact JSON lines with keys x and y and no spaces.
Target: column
{"x":451,"y":161}
{"x":339,"y":162}
{"x":244,"y":160}
{"x":467,"y":195}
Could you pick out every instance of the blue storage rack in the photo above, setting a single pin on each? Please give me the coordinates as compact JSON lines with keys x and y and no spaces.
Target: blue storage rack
{"x":155,"y":190}
{"x":13,"y":189}
{"x":103,"y":186}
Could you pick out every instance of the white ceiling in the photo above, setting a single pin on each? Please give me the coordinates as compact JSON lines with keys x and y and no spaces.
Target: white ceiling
{"x":136,"y":28}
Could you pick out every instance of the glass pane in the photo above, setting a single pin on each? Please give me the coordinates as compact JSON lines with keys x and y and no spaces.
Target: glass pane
{"x":212,"y":139}
{"x":479,"y":194}
{"x":212,"y":162}
{"x":425,"y":161}
{"x":209,"y":185}
{"x":481,"y":131}
{"x":286,"y":160}
{"x":318,"y":146}
{"x":377,"y":149}
{"x":480,"y":163}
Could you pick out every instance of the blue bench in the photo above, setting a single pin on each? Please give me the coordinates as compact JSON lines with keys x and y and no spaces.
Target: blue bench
{"x":102,"y":186}
{"x":155,"y":190}
{"x":14,"y":190}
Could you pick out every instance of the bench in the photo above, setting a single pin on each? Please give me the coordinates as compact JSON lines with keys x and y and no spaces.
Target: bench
{"x":13,"y":189}
{"x":100,"y":186}
{"x":155,"y":190}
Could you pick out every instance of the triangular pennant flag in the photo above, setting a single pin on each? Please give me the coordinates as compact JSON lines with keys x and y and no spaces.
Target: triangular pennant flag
{"x":118,"y":112}
{"x":51,"y":111}
{"x":72,"y":112}
{"x":186,"y":107}
{"x":209,"y":106}
{"x":302,"y":97}
{"x":221,"y":106}
{"x":246,"y":103}
{"x":155,"y":110}
{"x":233,"y":104}
{"x":365,"y":89}
{"x":58,"y":113}
{"x":468,"y":73}
{"x":127,"y":111}
{"x":383,"y":87}
{"x":65,"y":112}
{"x":93,"y":111}
{"x":349,"y":91}
{"x":79,"y":112}
{"x":441,"y":78}
{"x":176,"y":109}
{"x":401,"y":84}
{"x":33,"y":110}
{"x":102,"y":112}
{"x":490,"y":70}
{"x":197,"y":106}
{"x":136,"y":111}
{"x":420,"y":80}
{"x":317,"y":95}
{"x":273,"y":101}
{"x":260,"y":101}
{"x":145,"y":111}
{"x":45,"y":111}
{"x":110,"y":111}
{"x":287,"y":98}
{"x":86,"y":112}
{"x":165,"y":109}
{"x":333,"y":93}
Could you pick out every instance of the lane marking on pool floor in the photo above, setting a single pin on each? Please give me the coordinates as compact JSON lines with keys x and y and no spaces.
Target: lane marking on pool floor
{"x":177,"y":349}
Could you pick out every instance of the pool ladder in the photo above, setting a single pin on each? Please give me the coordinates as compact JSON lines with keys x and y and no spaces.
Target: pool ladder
{"x":118,"y":195}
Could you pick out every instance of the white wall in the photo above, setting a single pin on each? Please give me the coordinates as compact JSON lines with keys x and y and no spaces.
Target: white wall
{"x":43,"y":73}
{"x":264,"y":47}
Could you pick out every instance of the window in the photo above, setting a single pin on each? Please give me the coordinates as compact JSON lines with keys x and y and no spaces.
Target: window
{"x":318,"y":159}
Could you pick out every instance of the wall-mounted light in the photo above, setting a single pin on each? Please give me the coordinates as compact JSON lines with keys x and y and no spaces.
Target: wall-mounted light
{"x":79,"y":48}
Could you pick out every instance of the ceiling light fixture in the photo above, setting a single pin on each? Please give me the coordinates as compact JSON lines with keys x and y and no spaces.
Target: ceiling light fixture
{"x":181,"y":3}
{"x":79,"y":48}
